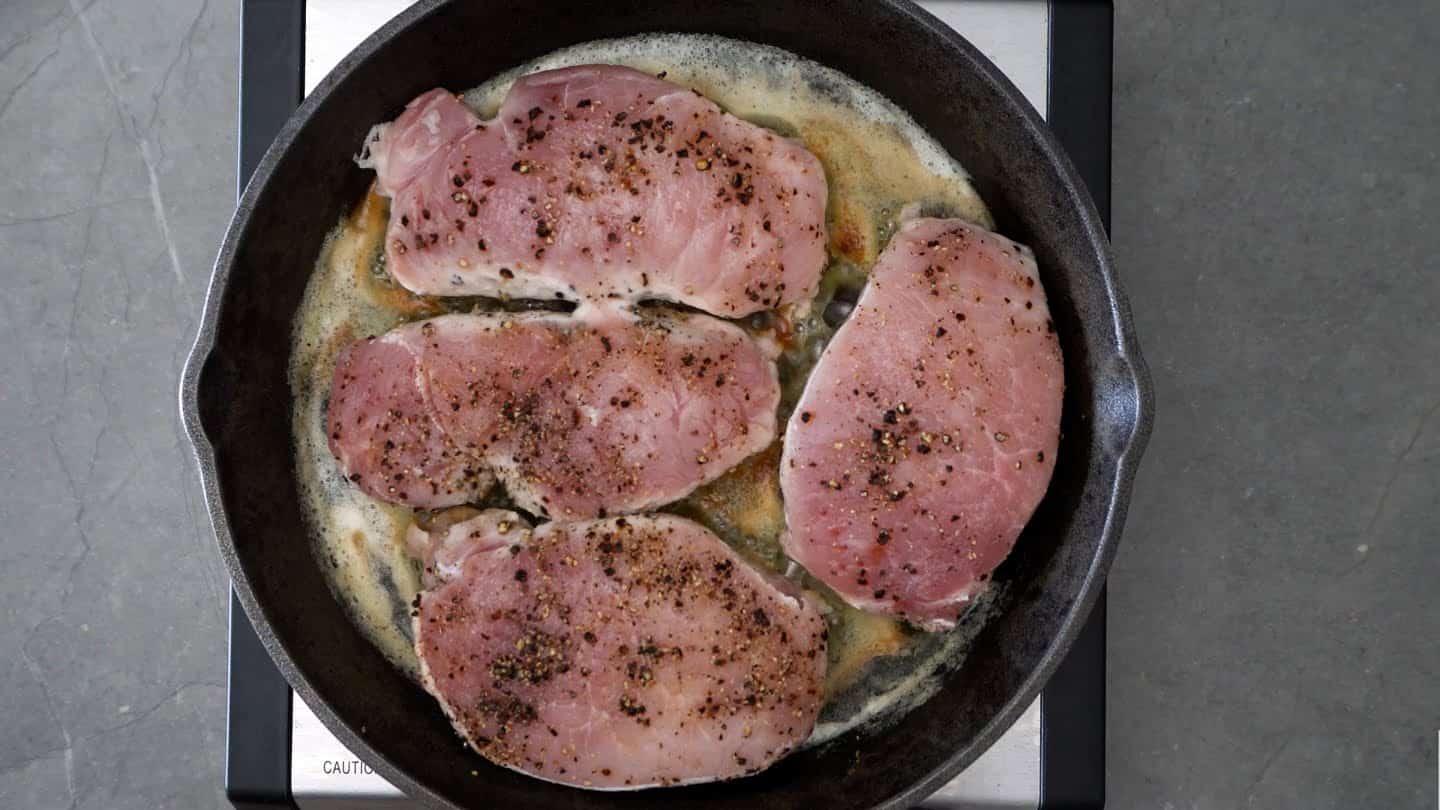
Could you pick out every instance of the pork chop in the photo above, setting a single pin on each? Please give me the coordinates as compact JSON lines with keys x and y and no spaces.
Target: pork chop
{"x":579,"y":417}
{"x":615,"y":654}
{"x":600,"y":182}
{"x":926,"y":434}
{"x":384,"y":433}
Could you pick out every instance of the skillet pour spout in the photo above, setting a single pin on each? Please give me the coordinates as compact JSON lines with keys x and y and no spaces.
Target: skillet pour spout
{"x":236,"y":402}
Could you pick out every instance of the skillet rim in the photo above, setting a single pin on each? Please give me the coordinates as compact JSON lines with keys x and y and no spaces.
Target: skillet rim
{"x":1127,"y":375}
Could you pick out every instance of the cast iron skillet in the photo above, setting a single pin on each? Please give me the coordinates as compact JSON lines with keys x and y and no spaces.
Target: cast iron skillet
{"x":236,"y":403}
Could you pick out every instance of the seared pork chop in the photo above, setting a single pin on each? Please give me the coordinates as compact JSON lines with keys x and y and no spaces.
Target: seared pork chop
{"x":615,"y":654}
{"x":600,"y":183}
{"x":926,"y":435}
{"x":579,"y":417}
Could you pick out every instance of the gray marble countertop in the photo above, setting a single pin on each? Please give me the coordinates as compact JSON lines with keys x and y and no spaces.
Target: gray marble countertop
{"x":1274,"y":627}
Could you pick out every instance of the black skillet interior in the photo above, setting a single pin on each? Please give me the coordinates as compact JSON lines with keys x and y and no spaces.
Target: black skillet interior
{"x":236,"y":391}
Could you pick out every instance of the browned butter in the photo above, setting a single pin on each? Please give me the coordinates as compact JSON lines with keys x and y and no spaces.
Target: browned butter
{"x":877,"y":161}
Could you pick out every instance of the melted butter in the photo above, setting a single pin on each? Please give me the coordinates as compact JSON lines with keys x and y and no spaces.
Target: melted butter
{"x":359,"y":541}
{"x":743,"y":507}
{"x":857,"y":638}
{"x":877,"y":161}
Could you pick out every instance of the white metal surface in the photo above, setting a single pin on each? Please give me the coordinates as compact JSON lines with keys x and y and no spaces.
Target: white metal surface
{"x":324,"y":775}
{"x":1014,"y":34}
